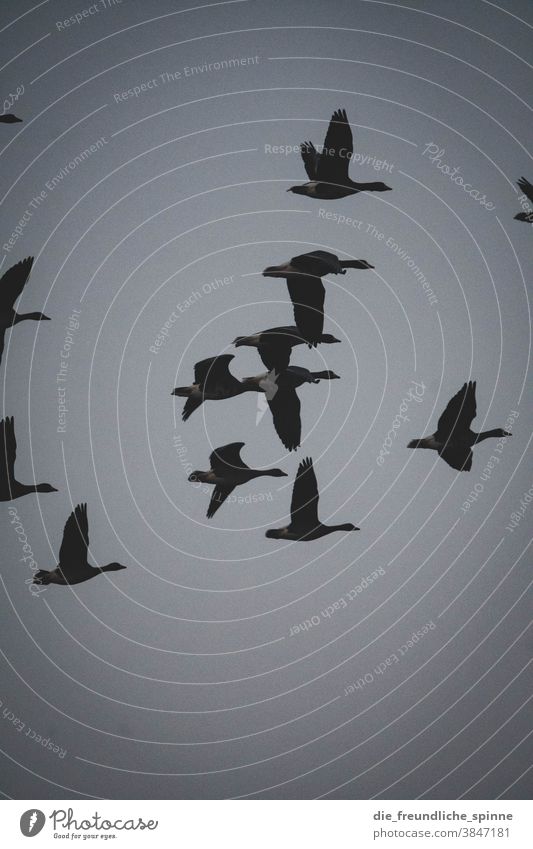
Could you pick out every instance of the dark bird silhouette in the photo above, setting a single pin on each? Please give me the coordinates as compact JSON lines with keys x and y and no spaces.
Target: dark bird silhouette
{"x":213,"y":381}
{"x":10,"y":119}
{"x":328,"y":170}
{"x":274,"y":346}
{"x":10,"y":487}
{"x":303,"y":275}
{"x":228,"y":471}
{"x":73,"y":566}
{"x":11,"y":285}
{"x":527,"y":189}
{"x":305,"y":524}
{"x":280,"y":390}
{"x":453,"y":438}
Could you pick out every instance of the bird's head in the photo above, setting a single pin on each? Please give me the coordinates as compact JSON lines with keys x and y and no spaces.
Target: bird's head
{"x":328,"y":339}
{"x":277,"y":473}
{"x":273,"y":533}
{"x":242,"y":340}
{"x":297,"y":190}
{"x":11,"y":119}
{"x":382,"y":187}
{"x":45,"y":487}
{"x":113,"y":567}
{"x":523,"y":216}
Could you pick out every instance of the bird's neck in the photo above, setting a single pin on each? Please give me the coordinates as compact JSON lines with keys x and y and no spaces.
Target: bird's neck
{"x":488,"y":434}
{"x":35,"y":316}
{"x":361,"y":187}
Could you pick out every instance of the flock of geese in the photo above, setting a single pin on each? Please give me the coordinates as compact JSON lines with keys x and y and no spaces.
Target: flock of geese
{"x":328,"y":174}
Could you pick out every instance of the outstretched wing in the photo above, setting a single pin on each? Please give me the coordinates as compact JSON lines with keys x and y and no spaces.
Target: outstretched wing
{"x":307,"y":295}
{"x":458,"y":457}
{"x":227,"y":457}
{"x":338,"y":150}
{"x":311,"y":158}
{"x":304,"y":503}
{"x":275,"y":352}
{"x":459,"y":413}
{"x":317,"y":263}
{"x":526,"y":187}
{"x":8,"y":448}
{"x":285,"y":409}
{"x":73,"y":551}
{"x":217,"y":499}
{"x":13,"y":281}
{"x":214,"y":370}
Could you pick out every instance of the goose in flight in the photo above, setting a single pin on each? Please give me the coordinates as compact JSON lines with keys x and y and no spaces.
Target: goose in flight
{"x":274,"y":346}
{"x":280,"y":390}
{"x":10,"y":119}
{"x":73,"y":567}
{"x":303,"y":275}
{"x":228,"y":471}
{"x":305,"y":524}
{"x":213,"y":381}
{"x":11,"y":285}
{"x":453,"y":438}
{"x":527,"y":189}
{"x":10,"y":487}
{"x":328,"y":171}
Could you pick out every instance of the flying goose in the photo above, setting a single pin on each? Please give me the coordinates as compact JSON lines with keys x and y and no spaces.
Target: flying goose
{"x":328,"y":171}
{"x":453,"y":438}
{"x":213,"y":381}
{"x":11,"y":285}
{"x":73,"y":567}
{"x":274,"y":346}
{"x":280,"y":390}
{"x":305,"y":524}
{"x":527,"y":189}
{"x":10,"y":119}
{"x":303,"y":275}
{"x":228,"y":471}
{"x":10,"y":487}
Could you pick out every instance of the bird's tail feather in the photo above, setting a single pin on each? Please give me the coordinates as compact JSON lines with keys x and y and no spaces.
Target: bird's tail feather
{"x":191,"y":404}
{"x":182,"y":391}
